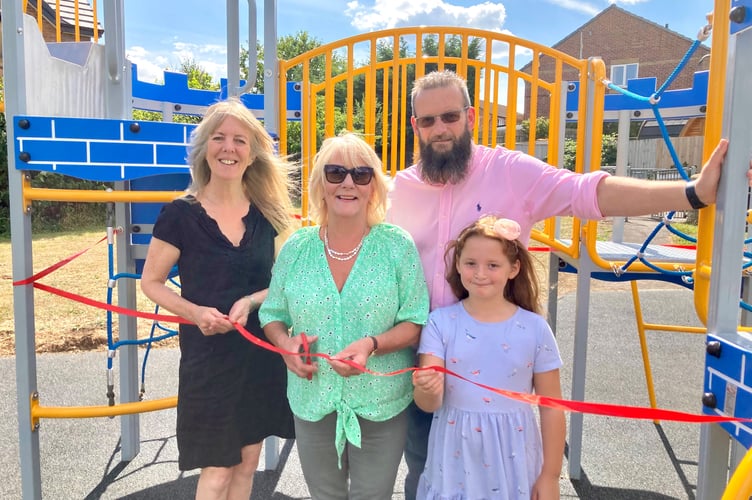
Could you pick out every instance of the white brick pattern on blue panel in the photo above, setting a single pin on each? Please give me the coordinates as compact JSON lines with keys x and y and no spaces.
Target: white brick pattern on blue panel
{"x":728,"y":382}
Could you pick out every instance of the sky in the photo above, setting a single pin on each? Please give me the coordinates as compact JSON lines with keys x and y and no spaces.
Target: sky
{"x":159,"y":34}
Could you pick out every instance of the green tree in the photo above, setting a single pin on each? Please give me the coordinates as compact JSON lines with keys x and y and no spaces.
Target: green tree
{"x":541,"y":128}
{"x":608,"y":151}
{"x":198,"y":78}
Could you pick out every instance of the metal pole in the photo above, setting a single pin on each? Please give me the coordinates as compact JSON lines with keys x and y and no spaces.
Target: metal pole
{"x":20,"y":223}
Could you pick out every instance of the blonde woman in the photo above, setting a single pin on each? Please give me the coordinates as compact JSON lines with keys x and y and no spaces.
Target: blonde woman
{"x":221,"y":235}
{"x":354,"y":286}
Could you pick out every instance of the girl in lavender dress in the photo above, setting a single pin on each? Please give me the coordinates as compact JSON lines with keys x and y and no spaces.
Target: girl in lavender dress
{"x":483,"y":445}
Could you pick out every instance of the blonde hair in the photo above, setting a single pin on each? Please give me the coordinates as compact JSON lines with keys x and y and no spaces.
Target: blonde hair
{"x":439,"y":80}
{"x":521,"y":290}
{"x":355,"y":151}
{"x":266,"y":181}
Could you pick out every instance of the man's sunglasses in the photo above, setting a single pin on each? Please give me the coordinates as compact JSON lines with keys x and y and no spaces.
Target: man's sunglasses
{"x":448,"y":117}
{"x":336,"y":174}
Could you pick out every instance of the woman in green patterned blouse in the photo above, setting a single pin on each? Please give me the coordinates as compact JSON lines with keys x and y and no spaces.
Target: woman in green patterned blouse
{"x":354,"y":286}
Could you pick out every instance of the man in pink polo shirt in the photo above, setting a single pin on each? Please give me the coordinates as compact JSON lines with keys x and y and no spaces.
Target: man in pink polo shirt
{"x":456,"y":181}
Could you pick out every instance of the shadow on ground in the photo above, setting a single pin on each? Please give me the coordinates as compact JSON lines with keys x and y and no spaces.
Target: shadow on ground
{"x":264,"y":482}
{"x":587,"y":490}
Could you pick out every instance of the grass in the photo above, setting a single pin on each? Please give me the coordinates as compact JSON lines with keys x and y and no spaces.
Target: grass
{"x":62,"y":324}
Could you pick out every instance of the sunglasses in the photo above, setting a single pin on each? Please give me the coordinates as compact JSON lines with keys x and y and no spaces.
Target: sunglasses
{"x":336,"y":174}
{"x":448,"y":117}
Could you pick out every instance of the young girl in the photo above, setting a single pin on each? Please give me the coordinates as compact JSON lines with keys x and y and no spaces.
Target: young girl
{"x":483,"y":445}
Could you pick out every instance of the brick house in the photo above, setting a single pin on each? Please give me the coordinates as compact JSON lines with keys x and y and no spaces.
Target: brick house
{"x":484,"y":122}
{"x":67,"y":21}
{"x":630,"y":46}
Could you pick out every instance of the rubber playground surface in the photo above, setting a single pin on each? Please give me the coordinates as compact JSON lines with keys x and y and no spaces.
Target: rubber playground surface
{"x":621,"y":459}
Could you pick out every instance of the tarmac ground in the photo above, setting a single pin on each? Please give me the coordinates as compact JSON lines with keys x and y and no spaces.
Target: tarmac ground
{"x":621,"y":458}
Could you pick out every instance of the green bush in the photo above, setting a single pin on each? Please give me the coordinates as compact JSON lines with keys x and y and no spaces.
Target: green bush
{"x":4,"y":188}
{"x":49,"y":215}
{"x":61,"y":216}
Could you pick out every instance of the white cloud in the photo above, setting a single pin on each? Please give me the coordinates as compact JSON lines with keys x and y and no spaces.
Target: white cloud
{"x":385,"y":14}
{"x":628,"y":2}
{"x":578,"y":6}
{"x":152,"y":64}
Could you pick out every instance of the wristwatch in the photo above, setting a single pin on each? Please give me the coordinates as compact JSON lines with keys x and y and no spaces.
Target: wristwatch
{"x":375,"y":345}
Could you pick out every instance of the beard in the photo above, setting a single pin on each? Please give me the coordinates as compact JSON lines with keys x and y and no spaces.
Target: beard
{"x":446,"y":167}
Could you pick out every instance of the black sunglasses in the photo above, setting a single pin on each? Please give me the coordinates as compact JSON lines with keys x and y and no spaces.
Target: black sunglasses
{"x":336,"y":174}
{"x":448,"y":117}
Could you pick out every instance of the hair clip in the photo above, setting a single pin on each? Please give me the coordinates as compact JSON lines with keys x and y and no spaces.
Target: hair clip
{"x":507,"y":229}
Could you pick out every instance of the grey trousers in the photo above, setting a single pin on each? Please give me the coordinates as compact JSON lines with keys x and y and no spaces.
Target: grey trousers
{"x":371,"y":469}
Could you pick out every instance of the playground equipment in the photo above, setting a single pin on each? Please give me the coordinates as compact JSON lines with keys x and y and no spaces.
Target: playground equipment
{"x":132,"y":154}
{"x":728,"y":376}
{"x":55,"y":125}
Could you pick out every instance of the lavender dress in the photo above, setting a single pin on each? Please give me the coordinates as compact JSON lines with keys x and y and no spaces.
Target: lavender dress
{"x":483,"y":445}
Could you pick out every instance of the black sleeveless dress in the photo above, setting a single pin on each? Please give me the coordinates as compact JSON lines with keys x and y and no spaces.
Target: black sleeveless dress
{"x":231,"y":393}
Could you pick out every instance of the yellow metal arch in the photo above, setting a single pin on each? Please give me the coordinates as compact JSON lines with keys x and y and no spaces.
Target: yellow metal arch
{"x":386,"y":82}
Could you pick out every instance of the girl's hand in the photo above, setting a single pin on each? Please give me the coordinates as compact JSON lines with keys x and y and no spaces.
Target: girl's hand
{"x":429,"y":382}
{"x":357,"y":352}
{"x":297,"y":363}
{"x":546,"y":487}
{"x":211,"y":322}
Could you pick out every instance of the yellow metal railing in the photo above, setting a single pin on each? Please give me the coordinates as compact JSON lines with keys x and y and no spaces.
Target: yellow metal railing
{"x":385,"y":87}
{"x":78,"y":20}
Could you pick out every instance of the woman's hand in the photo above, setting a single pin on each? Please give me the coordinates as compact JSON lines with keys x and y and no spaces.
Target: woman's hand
{"x":298,"y":363}
{"x":357,"y":352}
{"x":242,"y":308}
{"x":210,"y":321}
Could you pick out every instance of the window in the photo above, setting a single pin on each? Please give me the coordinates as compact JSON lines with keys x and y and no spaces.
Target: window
{"x":620,"y":73}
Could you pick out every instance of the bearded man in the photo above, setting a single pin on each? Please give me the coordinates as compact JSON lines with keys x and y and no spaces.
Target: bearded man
{"x":456,"y":181}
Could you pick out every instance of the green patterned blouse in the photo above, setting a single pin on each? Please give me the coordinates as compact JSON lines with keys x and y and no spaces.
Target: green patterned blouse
{"x":385,"y":287}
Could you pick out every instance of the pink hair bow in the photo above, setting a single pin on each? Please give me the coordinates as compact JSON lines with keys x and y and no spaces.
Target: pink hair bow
{"x":507,"y":229}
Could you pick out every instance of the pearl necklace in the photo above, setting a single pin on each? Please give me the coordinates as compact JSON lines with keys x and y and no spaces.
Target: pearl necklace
{"x":343,"y":256}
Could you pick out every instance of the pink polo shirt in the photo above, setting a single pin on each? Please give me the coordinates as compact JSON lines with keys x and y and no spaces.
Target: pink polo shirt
{"x":500,"y":182}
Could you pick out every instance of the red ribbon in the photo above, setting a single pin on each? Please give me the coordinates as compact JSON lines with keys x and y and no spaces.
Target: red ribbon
{"x":635,"y":412}
{"x":612,"y":410}
{"x":41,"y":274}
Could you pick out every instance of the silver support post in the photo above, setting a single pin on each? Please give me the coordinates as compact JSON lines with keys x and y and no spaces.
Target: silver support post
{"x":233,"y":48}
{"x":20,"y":223}
{"x":553,"y":259}
{"x":622,"y":154}
{"x":271,"y":69}
{"x":118,"y":91}
{"x":271,"y":123}
{"x":728,"y":238}
{"x":585,"y":269}
{"x":118,"y":84}
{"x":127,"y":330}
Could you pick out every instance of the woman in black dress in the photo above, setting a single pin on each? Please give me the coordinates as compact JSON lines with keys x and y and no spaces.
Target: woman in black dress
{"x":221,"y":235}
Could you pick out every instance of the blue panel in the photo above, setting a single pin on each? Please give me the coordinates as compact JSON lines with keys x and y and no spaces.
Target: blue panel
{"x":146,"y":213}
{"x":294,"y":97}
{"x":158,"y":132}
{"x":171,"y":155}
{"x":724,"y":378}
{"x":104,"y":173}
{"x":87,"y":128}
{"x":37,"y":126}
{"x":53,"y":151}
{"x":122,"y":153}
{"x":747,"y":21}
{"x":645,"y":87}
{"x":175,"y":90}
